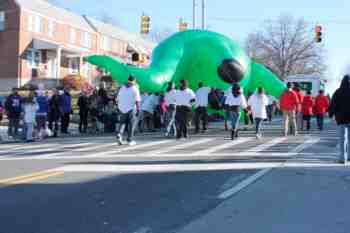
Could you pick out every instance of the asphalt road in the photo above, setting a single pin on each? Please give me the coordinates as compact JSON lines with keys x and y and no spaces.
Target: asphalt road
{"x":205,"y":184}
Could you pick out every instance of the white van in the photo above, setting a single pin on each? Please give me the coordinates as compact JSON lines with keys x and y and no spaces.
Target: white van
{"x":308,"y":82}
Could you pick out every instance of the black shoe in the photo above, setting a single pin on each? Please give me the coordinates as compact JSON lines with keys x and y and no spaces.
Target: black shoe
{"x":233,"y":135}
{"x":236,"y":134}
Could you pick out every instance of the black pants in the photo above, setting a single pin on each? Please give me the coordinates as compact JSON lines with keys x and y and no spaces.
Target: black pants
{"x":248,"y":118}
{"x":127,"y":122}
{"x":269,"y":110}
{"x":320,"y":121}
{"x":13,"y":126}
{"x":201,"y":114}
{"x":53,"y":125}
{"x":65,"y":120}
{"x":182,"y":113}
{"x":307,"y":118}
{"x":83,"y":122}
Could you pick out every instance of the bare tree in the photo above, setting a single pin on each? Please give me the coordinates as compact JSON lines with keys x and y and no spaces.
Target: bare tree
{"x":287,"y":47}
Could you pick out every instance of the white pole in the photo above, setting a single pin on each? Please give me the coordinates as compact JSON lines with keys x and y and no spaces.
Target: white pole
{"x":203,"y":15}
{"x":194,"y":14}
{"x":58,"y":71}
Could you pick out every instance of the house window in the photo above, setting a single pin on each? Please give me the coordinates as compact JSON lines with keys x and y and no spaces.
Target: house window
{"x":51,"y":29}
{"x":38,"y":24}
{"x":2,"y":21}
{"x":33,"y":58}
{"x":86,"y":40}
{"x":106,"y":43}
{"x":73,"y":65}
{"x":72,"y":36}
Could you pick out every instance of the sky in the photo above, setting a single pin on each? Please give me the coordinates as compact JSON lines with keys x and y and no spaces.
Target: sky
{"x":235,"y":19}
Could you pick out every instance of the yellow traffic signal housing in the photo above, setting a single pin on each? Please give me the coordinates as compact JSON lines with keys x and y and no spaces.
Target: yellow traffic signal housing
{"x":145,"y":24}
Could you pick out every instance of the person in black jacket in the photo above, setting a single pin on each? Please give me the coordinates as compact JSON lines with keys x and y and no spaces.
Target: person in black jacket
{"x":83,"y":104}
{"x":55,"y":111}
{"x":13,"y":107}
{"x":340,"y":109}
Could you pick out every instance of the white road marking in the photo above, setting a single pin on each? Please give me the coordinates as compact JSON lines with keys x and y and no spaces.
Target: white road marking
{"x":243,"y":184}
{"x":117,"y":153}
{"x":155,"y":168}
{"x":221,"y":147}
{"x":250,"y":180}
{"x":43,"y":148}
{"x":179,"y":146}
{"x":127,"y":148}
{"x":82,"y":150}
{"x":265,"y":146}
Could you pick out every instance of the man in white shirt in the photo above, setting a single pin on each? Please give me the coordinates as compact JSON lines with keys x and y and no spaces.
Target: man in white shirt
{"x":170,"y":99}
{"x":258,"y":103}
{"x":128,"y":100}
{"x":201,"y":113}
{"x":184,"y":99}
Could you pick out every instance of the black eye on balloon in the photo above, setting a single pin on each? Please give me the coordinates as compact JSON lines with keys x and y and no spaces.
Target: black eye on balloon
{"x":231,"y":71}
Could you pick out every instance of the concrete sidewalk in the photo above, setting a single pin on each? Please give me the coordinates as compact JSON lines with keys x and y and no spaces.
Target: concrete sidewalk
{"x":288,"y":200}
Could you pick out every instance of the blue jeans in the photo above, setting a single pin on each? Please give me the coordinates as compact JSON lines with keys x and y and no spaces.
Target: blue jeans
{"x":320,"y":121}
{"x":258,"y":125}
{"x":344,"y":136}
{"x":29,"y":131}
{"x":234,"y":117}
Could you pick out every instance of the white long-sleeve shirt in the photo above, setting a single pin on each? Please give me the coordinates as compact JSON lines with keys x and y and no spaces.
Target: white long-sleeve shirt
{"x":184,"y":97}
{"x":170,"y":97}
{"x":202,"y":97}
{"x":258,"y":103}
{"x":240,"y":100}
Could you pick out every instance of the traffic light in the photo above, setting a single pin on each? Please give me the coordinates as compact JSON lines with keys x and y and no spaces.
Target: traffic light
{"x":145,"y":24}
{"x":183,"y":26}
{"x":318,"y":31}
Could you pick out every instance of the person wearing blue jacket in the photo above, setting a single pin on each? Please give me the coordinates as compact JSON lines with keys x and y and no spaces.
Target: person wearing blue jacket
{"x":67,"y":111}
{"x":41,"y":114}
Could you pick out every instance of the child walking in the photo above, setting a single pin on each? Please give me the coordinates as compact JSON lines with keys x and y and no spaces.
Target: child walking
{"x":30,"y":108}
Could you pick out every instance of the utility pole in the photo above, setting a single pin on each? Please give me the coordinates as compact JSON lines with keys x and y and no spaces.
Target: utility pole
{"x":194,"y":14}
{"x":203,"y":15}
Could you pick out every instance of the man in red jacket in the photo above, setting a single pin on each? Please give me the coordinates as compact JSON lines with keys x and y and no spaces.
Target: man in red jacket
{"x":299,"y":112}
{"x":307,"y":109}
{"x":321,"y":107}
{"x":289,"y":103}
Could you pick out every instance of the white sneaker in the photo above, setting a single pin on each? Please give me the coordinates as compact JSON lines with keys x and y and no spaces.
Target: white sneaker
{"x":119,"y":139}
{"x":258,"y":136}
{"x":132,"y":143}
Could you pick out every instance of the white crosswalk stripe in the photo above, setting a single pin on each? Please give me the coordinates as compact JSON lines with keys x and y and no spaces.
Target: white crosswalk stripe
{"x":20,"y":149}
{"x":197,"y":147}
{"x":221,"y":147}
{"x":179,"y":146}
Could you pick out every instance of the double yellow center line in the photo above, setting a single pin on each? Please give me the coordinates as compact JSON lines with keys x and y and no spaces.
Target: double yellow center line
{"x":29,"y":178}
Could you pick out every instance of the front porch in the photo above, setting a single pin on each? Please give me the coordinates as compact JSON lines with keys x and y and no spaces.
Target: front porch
{"x":49,"y":62}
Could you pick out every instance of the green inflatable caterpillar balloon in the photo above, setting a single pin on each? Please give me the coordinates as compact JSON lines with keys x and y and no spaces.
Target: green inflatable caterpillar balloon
{"x":197,"y":56}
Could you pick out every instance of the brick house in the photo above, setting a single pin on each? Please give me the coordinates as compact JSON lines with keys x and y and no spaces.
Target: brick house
{"x":40,"y":42}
